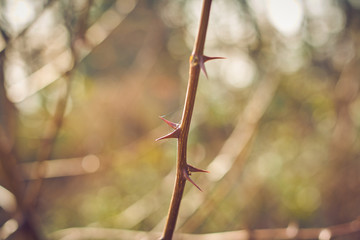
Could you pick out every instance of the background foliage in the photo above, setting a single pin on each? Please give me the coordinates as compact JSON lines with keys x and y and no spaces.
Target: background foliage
{"x":276,"y":123}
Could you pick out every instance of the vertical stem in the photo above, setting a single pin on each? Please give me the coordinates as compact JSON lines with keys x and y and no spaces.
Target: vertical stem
{"x":204,"y":20}
{"x":194,"y":72}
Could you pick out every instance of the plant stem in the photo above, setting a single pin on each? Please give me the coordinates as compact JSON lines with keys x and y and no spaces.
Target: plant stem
{"x":182,"y":167}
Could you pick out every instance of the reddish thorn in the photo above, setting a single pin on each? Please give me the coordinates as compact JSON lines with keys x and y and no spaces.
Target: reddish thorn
{"x":173,"y":134}
{"x":186,"y":175}
{"x":204,"y":59}
{"x":202,"y":66}
{"x":171,"y":124}
{"x":194,"y":169}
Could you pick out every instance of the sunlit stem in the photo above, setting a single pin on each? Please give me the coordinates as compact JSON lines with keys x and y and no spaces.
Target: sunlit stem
{"x":182,"y":167}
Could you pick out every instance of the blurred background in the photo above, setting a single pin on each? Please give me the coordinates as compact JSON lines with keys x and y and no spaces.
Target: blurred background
{"x":276,"y":123}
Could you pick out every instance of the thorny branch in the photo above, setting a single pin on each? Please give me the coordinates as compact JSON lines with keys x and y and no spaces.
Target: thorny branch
{"x":181,"y":130}
{"x":233,"y":157}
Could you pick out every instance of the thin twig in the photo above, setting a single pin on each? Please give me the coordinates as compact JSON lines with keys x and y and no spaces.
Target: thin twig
{"x":181,"y":132}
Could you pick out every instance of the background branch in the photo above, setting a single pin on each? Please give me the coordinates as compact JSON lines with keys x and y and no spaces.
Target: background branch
{"x":290,"y":232}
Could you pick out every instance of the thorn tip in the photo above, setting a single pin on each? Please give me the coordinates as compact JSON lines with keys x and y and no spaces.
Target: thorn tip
{"x":171,"y":124}
{"x":194,"y":169}
{"x":204,"y":59}
{"x":173,"y":134}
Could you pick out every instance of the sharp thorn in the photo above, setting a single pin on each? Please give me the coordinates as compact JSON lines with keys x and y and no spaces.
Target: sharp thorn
{"x":171,"y":124}
{"x":173,"y":134}
{"x":202,"y":66}
{"x":194,"y":169}
{"x":186,"y":175}
{"x":204,"y":59}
